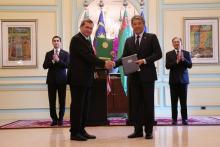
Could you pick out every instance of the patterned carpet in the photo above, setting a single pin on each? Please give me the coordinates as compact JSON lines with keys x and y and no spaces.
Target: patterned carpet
{"x":161,"y":121}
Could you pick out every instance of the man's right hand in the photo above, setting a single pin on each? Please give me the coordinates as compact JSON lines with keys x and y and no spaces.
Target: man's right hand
{"x":109,"y":64}
{"x":56,"y":58}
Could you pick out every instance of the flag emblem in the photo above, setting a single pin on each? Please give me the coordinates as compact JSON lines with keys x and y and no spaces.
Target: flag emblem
{"x":105,"y":44}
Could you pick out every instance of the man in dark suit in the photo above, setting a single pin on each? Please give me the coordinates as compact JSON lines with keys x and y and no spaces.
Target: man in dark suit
{"x":56,"y":61}
{"x":80,"y":77}
{"x":177,"y":61}
{"x":141,"y":83}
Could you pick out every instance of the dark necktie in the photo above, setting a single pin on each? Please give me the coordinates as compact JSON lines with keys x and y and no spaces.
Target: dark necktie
{"x":89,"y":40}
{"x":137,"y":44}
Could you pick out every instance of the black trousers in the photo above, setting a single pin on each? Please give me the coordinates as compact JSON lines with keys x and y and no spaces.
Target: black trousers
{"x":79,"y":107}
{"x":52,"y":92}
{"x":179,"y":92}
{"x":141,"y":105}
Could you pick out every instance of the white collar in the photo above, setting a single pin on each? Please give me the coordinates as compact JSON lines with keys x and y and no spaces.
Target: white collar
{"x":141,"y":34}
{"x":176,"y":50}
{"x":58,"y":49}
{"x":87,"y":38}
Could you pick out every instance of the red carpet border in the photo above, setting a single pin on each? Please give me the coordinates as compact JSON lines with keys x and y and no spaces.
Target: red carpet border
{"x":113,"y":121}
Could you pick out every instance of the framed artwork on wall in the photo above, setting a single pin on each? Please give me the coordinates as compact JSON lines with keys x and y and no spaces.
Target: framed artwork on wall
{"x":19,"y":43}
{"x":201,"y":39}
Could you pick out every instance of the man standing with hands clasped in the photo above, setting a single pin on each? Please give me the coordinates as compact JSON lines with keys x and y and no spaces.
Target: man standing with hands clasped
{"x":57,"y":61}
{"x":178,"y":61}
{"x":80,"y":77}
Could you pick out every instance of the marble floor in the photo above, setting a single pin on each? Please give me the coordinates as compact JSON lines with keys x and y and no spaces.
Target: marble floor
{"x":164,"y":136}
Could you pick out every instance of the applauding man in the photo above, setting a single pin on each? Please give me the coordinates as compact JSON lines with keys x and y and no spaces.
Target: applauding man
{"x":56,"y":61}
{"x":178,"y":61}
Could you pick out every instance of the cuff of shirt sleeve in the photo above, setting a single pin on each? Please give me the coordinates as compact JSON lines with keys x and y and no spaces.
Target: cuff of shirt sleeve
{"x":145,"y":62}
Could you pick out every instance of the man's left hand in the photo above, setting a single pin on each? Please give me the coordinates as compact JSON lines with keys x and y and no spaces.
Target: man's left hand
{"x":56,"y":58}
{"x":139,"y":62}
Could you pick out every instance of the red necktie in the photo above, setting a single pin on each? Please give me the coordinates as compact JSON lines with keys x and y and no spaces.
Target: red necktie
{"x":178,"y":55}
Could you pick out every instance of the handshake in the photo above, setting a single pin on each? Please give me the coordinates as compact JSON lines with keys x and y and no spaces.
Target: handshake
{"x":109,"y":64}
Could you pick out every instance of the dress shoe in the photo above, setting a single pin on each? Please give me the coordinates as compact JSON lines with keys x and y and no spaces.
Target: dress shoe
{"x":60,"y":122}
{"x":88,"y":136}
{"x":135,"y":135}
{"x":53,"y":123}
{"x":174,"y":122}
{"x":149,"y":136}
{"x":184,"y":122}
{"x":78,"y":137}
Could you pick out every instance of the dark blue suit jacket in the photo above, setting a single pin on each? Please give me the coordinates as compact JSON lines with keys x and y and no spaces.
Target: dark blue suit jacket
{"x":56,"y":71}
{"x":82,"y":61}
{"x":178,"y":72}
{"x":149,"y":50}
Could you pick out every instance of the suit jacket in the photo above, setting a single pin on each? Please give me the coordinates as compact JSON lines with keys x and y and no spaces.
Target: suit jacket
{"x":57,"y":71}
{"x":149,"y":50}
{"x":178,"y":72}
{"x":82,"y":61}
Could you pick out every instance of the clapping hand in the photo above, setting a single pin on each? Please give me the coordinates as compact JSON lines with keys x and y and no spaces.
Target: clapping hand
{"x":56,"y":58}
{"x":180,"y":56}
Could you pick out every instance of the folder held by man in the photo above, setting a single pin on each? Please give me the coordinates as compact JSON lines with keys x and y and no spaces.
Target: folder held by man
{"x":129,"y":64}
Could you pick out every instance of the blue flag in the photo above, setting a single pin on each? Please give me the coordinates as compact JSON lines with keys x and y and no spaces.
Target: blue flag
{"x":100,"y":32}
{"x":145,"y":28}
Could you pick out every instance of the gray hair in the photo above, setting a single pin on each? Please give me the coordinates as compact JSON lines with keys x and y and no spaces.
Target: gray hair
{"x":137,"y":17}
{"x":177,"y":38}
